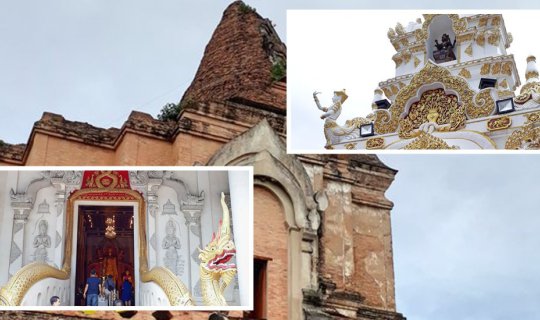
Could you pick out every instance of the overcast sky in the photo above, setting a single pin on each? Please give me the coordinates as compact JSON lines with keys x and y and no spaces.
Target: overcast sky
{"x":97,"y":60}
{"x":351,"y":50}
{"x":465,"y":236}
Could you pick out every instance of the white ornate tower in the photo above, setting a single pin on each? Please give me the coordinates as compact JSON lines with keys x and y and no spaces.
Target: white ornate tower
{"x":454,"y":89}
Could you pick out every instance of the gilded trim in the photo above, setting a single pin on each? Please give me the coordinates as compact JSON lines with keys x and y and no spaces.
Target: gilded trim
{"x":14,"y":291}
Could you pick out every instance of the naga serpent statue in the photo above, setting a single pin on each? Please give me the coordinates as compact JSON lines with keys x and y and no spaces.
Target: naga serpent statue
{"x":216,"y":270}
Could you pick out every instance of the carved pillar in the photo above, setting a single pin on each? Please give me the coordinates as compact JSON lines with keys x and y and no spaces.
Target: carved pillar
{"x":21,"y":209}
{"x":59,"y":204}
{"x":152,"y":188}
{"x":192,"y":207}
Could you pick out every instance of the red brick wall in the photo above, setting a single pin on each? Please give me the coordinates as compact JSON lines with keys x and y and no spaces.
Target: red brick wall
{"x":270,"y":241}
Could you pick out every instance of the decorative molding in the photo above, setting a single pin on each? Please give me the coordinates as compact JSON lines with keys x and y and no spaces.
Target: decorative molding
{"x":416,"y":61}
{"x":427,"y":141}
{"x":350,"y":146}
{"x":527,"y":138}
{"x":499,"y":123}
{"x":169,"y":208}
{"x":496,"y":68}
{"x":475,"y":104}
{"x":375,"y":143}
{"x":465,"y":73}
{"x":43,"y":208}
{"x":485,"y":69}
{"x":469,"y":50}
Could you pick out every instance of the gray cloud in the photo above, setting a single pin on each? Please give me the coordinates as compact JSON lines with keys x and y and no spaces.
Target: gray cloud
{"x":465,"y":234}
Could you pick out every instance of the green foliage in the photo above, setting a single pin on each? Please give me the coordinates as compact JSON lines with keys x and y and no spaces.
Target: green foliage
{"x":2,"y":143}
{"x":244,"y":8}
{"x":169,"y":112}
{"x":279,"y":70}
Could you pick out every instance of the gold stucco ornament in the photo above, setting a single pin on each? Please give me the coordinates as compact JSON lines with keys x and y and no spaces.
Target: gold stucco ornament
{"x":471,"y":105}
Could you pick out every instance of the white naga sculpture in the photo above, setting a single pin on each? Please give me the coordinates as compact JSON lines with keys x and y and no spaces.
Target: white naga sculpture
{"x":333,"y":132}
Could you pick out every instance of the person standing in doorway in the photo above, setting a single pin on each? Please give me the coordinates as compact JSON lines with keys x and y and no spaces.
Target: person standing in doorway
{"x":92,"y":289}
{"x":127,"y":287}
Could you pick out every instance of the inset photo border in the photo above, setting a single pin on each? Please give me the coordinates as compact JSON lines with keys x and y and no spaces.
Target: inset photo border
{"x":364,"y":81}
{"x":126,"y":238}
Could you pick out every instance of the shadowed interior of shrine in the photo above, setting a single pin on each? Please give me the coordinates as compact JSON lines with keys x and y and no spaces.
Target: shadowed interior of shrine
{"x":105,"y":243}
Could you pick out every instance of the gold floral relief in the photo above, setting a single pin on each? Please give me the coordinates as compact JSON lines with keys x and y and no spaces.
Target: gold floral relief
{"x":437,"y":100}
{"x":458,"y":24}
{"x":404,"y":41}
{"x":350,"y":146}
{"x":465,"y":73}
{"x":416,"y":62}
{"x":485,"y":69}
{"x":387,"y":92}
{"x":483,"y":22}
{"x":428,"y":141}
{"x":406,"y":56}
{"x":484,"y":105}
{"x":388,"y":121}
{"x":420,"y":35}
{"x":494,"y":37}
{"x":500,"y":123}
{"x":503,"y":84}
{"x":465,"y":37}
{"x":375,"y":143}
{"x":523,"y":97}
{"x":506,"y":68}
{"x":533,"y":117}
{"x":397,"y":59}
{"x":480,"y":38}
{"x":406,"y":128}
{"x":496,"y":21}
{"x":496,"y":68}
{"x":528,"y":138}
{"x":469,"y":50}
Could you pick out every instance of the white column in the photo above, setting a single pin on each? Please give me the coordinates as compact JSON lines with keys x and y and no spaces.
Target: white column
{"x":242,"y":216}
{"x":8,"y":182}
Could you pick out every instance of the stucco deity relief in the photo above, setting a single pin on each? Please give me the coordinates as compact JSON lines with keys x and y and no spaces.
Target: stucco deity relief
{"x":171,"y":243}
{"x":42,"y":241}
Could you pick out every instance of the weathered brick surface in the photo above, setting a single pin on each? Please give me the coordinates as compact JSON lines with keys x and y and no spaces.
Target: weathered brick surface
{"x":237,"y":61}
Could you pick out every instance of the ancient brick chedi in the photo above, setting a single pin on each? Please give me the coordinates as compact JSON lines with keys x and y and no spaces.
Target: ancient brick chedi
{"x":322,"y":222}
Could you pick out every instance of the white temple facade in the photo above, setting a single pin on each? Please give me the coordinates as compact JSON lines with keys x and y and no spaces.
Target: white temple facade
{"x":455,"y":87}
{"x":173,"y":231}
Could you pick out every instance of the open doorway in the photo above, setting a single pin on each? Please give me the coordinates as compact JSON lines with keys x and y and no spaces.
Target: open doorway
{"x":105,"y":243}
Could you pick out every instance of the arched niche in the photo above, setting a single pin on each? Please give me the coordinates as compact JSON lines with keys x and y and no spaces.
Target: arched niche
{"x":440,"y":25}
{"x":285,"y":177}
